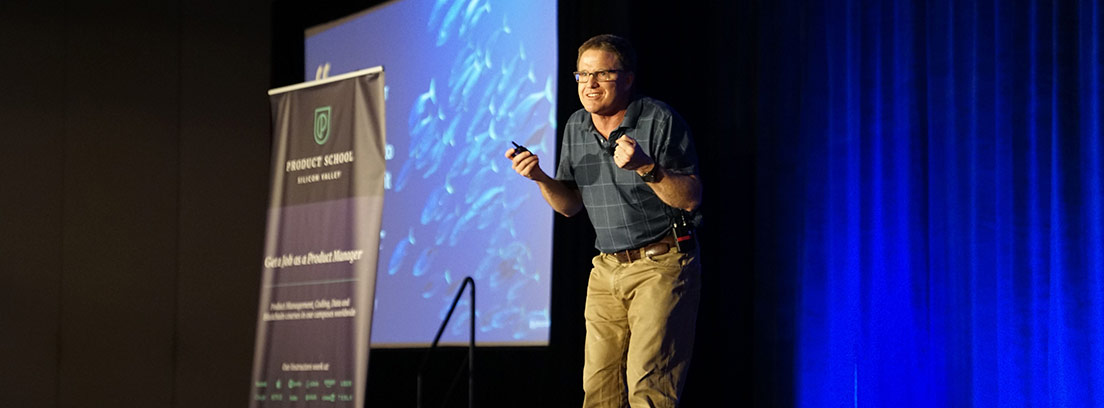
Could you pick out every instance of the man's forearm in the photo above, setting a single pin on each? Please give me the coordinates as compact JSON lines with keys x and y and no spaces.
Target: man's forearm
{"x":560,"y":197}
{"x":676,"y":190}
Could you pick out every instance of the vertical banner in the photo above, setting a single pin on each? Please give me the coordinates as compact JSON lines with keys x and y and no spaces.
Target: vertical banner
{"x":321,"y":243}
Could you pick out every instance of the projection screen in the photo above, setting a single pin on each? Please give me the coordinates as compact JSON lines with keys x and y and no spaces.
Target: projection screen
{"x":465,"y":78}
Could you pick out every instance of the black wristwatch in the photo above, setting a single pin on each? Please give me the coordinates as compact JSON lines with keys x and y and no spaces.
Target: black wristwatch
{"x":652,"y":175}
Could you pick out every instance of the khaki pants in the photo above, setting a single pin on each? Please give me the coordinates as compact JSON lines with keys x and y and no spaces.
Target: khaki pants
{"x":640,"y":320}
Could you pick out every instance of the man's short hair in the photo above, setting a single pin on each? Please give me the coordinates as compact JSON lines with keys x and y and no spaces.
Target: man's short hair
{"x":614,"y":45}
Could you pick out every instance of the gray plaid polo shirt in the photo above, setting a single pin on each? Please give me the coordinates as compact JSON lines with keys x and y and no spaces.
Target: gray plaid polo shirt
{"x":625,"y":212}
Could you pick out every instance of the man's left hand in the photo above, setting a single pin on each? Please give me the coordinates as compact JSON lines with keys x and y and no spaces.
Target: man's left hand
{"x":628,"y":155}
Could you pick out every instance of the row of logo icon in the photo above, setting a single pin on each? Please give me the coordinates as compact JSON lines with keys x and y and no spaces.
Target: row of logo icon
{"x":292,"y":384}
{"x":304,"y":398}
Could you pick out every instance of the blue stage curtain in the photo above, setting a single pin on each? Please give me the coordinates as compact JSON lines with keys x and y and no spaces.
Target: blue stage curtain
{"x":935,"y":178}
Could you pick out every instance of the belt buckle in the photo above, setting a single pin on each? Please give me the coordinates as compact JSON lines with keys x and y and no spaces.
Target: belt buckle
{"x":658,"y":248}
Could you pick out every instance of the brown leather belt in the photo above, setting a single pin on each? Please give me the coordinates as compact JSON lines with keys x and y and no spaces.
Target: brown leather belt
{"x":665,"y":245}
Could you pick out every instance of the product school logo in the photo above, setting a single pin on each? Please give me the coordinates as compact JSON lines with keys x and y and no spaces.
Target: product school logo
{"x":322,"y":124}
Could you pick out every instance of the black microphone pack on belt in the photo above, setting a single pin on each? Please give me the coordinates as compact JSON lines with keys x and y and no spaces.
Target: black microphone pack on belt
{"x":684,"y":233}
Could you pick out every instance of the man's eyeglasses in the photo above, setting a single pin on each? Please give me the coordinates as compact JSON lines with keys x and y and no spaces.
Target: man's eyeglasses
{"x":603,"y":76}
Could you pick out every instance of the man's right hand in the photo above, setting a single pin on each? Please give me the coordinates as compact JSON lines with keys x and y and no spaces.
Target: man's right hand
{"x":565,"y":200}
{"x":527,"y":164}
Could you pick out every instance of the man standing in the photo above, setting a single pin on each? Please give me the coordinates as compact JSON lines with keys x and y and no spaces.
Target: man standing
{"x":630,"y":161}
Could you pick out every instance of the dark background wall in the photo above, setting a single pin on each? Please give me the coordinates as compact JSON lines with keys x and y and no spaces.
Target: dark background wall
{"x":135,"y":166}
{"x":135,"y":180}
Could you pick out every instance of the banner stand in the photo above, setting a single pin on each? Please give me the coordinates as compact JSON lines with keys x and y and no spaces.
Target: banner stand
{"x":321,"y":242}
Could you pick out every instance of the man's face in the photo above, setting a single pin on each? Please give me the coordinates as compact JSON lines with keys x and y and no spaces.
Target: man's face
{"x":603,"y":97}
